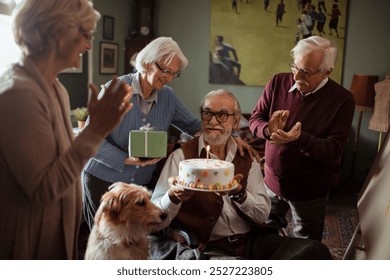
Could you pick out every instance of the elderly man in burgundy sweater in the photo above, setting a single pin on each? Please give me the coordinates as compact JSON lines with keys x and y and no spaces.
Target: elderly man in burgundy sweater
{"x":306,"y":118}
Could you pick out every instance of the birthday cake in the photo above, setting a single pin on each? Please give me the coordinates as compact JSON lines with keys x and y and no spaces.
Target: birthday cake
{"x":206,"y":174}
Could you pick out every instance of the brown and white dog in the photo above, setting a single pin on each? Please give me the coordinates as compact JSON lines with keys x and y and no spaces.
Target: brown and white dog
{"x":122,"y":223}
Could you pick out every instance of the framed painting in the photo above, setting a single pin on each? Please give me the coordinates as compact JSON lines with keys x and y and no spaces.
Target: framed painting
{"x":108,"y":28}
{"x":250,"y":41}
{"x":108,"y":58}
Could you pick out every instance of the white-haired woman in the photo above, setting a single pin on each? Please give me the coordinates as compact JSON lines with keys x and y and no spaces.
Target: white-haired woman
{"x":155,"y":103}
{"x":40,"y":162}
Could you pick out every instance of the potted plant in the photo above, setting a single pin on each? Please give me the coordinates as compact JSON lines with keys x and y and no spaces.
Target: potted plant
{"x":80,"y":114}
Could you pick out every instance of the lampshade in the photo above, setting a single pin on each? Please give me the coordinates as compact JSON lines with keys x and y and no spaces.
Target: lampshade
{"x":362,"y":88}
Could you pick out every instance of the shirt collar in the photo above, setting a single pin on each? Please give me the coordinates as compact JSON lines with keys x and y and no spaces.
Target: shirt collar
{"x":231,"y":148}
{"x":136,"y":86}
{"x":324,"y":81}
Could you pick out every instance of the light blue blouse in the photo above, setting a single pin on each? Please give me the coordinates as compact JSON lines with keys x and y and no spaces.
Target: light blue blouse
{"x":108,"y":163}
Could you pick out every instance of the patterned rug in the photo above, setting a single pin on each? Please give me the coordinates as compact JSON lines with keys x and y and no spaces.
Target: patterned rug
{"x":340,"y":224}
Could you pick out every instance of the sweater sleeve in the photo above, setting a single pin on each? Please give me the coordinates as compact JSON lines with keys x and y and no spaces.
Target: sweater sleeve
{"x":37,"y":149}
{"x":258,"y":122}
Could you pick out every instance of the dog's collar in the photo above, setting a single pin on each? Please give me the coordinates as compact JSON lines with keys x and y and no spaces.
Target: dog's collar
{"x":124,"y":243}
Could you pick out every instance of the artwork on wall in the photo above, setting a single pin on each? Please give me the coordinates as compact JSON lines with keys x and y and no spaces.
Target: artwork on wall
{"x":108,"y":28}
{"x":108,"y":58}
{"x":250,"y":41}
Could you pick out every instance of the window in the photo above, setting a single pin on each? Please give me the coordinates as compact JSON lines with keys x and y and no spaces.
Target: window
{"x":10,"y":52}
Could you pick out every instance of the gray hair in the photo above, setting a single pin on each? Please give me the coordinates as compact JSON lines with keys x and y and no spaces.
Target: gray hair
{"x":316,"y":43}
{"x":219,"y":92}
{"x":36,"y":23}
{"x":162,"y":48}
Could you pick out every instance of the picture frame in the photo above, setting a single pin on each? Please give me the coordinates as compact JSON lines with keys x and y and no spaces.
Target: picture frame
{"x":108,"y":58}
{"x":108,"y":27}
{"x":264,"y":49}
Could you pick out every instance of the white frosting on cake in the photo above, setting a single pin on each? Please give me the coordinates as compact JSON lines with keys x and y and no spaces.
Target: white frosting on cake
{"x":206,"y":174}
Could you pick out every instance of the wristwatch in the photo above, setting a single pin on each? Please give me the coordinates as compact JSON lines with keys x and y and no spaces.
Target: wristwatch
{"x":238,"y":196}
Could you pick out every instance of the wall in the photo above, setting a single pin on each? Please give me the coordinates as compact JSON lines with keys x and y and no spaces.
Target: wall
{"x":76,"y":83}
{"x":122,"y":13}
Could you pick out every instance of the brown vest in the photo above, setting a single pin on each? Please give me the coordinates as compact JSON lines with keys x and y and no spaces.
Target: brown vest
{"x":200,"y":213}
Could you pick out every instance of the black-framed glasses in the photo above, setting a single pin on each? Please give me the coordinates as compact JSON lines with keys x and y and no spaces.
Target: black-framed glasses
{"x":168,"y":72}
{"x":304,"y":73}
{"x":220,"y":116}
{"x":87,"y":35}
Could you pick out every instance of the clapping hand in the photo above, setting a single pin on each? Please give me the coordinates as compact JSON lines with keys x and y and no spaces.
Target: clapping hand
{"x":276,"y":128}
{"x":107,"y":112}
{"x":278,"y":121}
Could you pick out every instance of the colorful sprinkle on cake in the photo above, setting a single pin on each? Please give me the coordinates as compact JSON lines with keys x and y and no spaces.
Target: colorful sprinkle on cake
{"x":206,"y":174}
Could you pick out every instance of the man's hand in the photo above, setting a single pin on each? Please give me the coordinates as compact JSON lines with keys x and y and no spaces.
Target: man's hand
{"x":278,"y":121}
{"x":177,"y":193}
{"x":282,"y":137}
{"x":238,"y":178}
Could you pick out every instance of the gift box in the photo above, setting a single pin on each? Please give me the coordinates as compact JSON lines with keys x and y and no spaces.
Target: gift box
{"x":148,"y":143}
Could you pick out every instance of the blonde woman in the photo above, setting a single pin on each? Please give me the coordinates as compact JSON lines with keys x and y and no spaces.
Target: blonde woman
{"x":40,"y":162}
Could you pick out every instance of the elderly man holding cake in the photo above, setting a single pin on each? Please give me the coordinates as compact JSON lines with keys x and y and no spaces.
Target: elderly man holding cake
{"x":217,"y":195}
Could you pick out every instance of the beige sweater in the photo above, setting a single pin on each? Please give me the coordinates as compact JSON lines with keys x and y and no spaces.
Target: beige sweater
{"x":40,"y":167}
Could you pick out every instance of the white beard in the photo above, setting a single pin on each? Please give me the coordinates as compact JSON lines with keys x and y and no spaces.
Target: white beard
{"x":217,"y":139}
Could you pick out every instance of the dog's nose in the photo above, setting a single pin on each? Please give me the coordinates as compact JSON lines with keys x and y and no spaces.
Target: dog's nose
{"x":163,"y":216}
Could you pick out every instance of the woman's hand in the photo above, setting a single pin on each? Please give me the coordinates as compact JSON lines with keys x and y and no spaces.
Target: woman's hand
{"x":241,"y":144}
{"x":144,"y":162}
{"x":108,"y":111}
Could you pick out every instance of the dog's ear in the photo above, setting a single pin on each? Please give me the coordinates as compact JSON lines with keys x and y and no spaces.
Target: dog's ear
{"x":111,"y":205}
{"x":140,"y":201}
{"x":145,"y":189}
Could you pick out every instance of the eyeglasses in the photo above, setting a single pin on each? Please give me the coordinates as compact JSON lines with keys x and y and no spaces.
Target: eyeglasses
{"x":87,"y":35}
{"x":304,"y":73}
{"x":168,"y":72}
{"x":220,"y":116}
